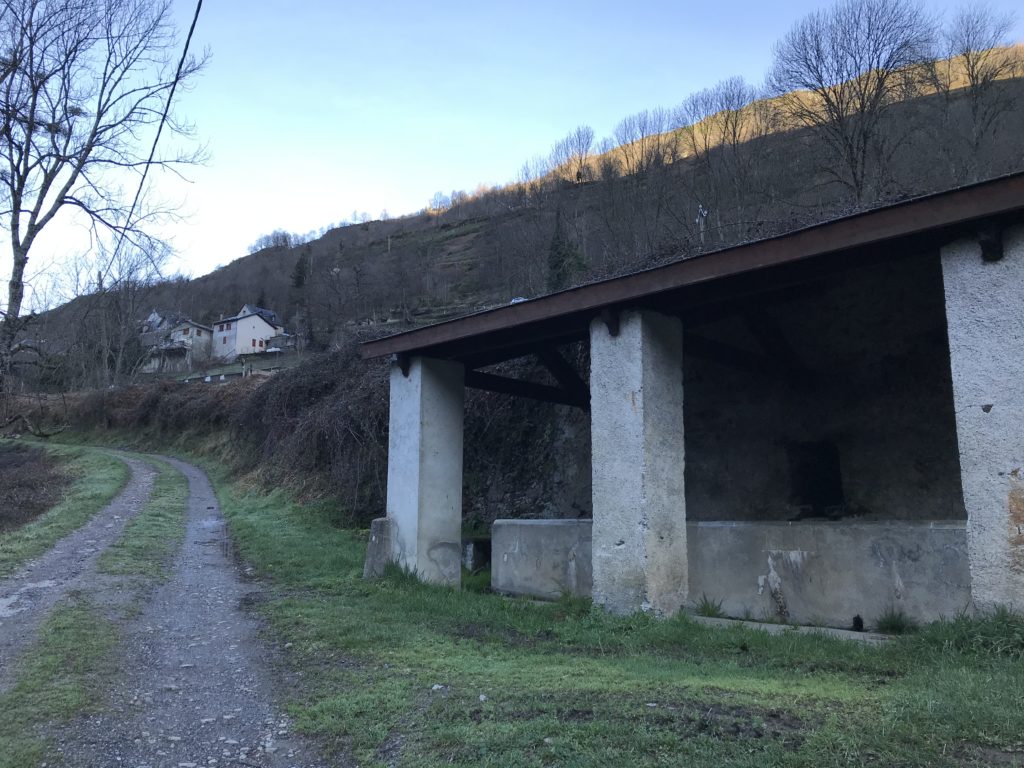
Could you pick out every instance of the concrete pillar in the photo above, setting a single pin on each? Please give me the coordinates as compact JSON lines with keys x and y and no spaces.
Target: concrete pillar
{"x":636,"y":413}
{"x":425,"y":469}
{"x":985,"y":320}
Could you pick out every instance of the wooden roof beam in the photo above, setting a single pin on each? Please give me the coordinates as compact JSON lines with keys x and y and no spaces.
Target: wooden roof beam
{"x":543,"y":392}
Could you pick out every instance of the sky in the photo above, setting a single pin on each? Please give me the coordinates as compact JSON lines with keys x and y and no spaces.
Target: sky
{"x":311,"y":110}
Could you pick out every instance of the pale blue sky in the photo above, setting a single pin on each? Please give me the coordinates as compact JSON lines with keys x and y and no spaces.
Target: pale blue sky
{"x":312,"y":109}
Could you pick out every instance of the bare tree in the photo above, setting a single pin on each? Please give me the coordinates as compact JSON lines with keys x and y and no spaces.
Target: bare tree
{"x":530,"y":181}
{"x":715,"y":116}
{"x":838,"y":71}
{"x":609,"y":166}
{"x":570,"y":157}
{"x":715,"y":126}
{"x":645,"y":140}
{"x":121,"y":302}
{"x":972,"y":60}
{"x":279,"y":238}
{"x":439,"y":203}
{"x":84,"y":87}
{"x":636,"y":194}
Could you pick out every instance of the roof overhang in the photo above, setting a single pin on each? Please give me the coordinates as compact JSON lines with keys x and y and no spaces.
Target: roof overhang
{"x":692,"y":285}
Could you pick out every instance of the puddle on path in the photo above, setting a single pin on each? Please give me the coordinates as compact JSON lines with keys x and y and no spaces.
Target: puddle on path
{"x":7,"y":604}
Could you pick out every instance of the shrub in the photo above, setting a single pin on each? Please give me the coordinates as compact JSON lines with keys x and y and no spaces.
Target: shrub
{"x":895,"y":622}
{"x":709,"y":607}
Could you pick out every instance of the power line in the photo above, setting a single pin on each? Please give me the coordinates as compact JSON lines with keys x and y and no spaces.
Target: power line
{"x":159,"y":130}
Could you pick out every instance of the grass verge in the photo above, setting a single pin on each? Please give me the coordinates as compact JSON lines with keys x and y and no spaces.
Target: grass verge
{"x":399,"y":673}
{"x":151,"y":538}
{"x":98,"y":478}
{"x":62,"y":676}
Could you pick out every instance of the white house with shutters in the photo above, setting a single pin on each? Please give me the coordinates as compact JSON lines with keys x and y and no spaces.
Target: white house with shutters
{"x":246,"y":333}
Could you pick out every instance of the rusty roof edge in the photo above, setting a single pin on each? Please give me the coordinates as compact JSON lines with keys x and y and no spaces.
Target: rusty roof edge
{"x":959,"y":205}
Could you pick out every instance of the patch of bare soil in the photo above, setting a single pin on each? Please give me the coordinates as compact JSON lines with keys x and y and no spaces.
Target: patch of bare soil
{"x":30,"y":483}
{"x":687,"y":717}
{"x":976,"y":755}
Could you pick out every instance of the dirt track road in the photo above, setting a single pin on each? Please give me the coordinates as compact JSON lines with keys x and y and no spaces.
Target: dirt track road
{"x":196,"y":686}
{"x":29,"y":596}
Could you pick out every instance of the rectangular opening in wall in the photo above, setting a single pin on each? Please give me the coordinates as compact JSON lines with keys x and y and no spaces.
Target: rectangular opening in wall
{"x":816,"y":484}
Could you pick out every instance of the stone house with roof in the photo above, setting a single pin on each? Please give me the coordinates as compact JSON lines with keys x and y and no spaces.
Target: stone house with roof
{"x":175,"y":344}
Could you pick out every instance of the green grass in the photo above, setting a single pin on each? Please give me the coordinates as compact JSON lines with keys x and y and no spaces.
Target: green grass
{"x":98,"y":478}
{"x":151,"y":538}
{"x":709,"y":607}
{"x":61,"y":677}
{"x":895,"y":622}
{"x":523,"y":684}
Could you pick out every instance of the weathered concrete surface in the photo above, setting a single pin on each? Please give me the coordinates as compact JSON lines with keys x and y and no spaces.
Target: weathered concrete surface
{"x":425,"y":469}
{"x":809,"y":572}
{"x":985,"y":322}
{"x":829,"y":572}
{"x":636,"y":404}
{"x":378,"y":548}
{"x":545,"y":558}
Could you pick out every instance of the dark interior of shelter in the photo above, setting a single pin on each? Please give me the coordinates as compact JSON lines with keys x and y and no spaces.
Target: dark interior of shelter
{"x":824,"y":399}
{"x":828,"y":400}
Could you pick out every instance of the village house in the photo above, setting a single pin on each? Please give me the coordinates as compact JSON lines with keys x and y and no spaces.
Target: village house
{"x":823,"y":425}
{"x":248,"y":332}
{"x":184,"y":347}
{"x":157,"y":325}
{"x":177,"y":344}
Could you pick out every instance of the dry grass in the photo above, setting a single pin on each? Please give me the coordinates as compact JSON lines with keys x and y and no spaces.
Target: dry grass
{"x":321,"y":430}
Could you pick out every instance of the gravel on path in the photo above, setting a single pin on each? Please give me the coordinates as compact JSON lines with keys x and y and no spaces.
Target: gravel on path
{"x":197,"y":687}
{"x":28,"y":597}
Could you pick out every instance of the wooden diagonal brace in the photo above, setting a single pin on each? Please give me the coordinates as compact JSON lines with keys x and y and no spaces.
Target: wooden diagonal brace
{"x":565,"y":373}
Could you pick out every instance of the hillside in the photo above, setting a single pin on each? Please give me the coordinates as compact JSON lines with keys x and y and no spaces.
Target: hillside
{"x":731,"y":177}
{"x":322,"y":426}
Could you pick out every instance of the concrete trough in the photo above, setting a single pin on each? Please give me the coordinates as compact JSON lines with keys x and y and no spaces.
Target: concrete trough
{"x":823,"y":572}
{"x":812,"y":572}
{"x":543,"y":558}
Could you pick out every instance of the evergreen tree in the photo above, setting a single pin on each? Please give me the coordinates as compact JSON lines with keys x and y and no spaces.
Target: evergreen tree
{"x":564,"y":260}
{"x":299,"y":273}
